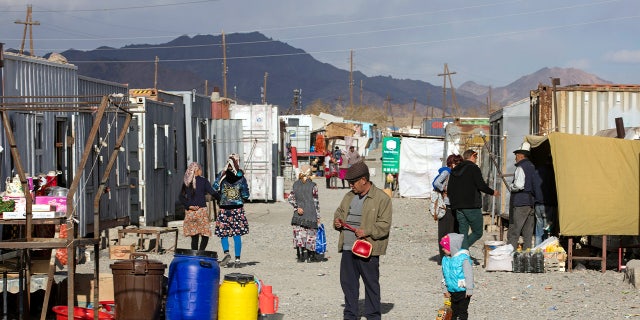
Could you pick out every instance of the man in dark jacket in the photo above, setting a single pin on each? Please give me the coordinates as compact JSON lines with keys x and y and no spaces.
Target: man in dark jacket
{"x":465,"y":185}
{"x":521,"y":218}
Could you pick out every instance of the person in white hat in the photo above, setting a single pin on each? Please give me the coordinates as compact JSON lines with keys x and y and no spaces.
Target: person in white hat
{"x":521,"y":217}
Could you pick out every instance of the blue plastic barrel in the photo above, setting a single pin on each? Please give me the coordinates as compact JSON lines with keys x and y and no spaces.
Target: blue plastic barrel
{"x":194,"y":278}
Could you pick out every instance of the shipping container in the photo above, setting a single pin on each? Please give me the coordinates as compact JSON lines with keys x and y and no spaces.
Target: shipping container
{"x":260,"y":141}
{"x":151,"y":147}
{"x":304,"y":120}
{"x":114,"y":206}
{"x":583,"y":109}
{"x":509,"y":126}
{"x":435,"y":127}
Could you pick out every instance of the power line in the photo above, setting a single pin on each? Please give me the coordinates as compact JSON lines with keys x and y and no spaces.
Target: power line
{"x":121,"y":8}
{"x":499,"y":34}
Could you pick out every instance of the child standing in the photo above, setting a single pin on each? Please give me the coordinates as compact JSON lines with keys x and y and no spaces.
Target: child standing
{"x":457,"y":273}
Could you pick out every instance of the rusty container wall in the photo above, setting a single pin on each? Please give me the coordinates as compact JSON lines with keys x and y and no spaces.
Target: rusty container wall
{"x":583,"y":109}
{"x":114,"y":204}
{"x":151,"y":148}
{"x":35,"y":132}
{"x":220,"y":110}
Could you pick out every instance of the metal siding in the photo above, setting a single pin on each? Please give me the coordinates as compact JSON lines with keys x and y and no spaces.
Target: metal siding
{"x":114,"y":204}
{"x":154,"y":182}
{"x":584,"y":109}
{"x":258,"y":136}
{"x":178,"y":134}
{"x":226,"y":138}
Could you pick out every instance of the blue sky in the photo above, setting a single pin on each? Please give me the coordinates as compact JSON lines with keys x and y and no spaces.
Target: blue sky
{"x":491,"y":42}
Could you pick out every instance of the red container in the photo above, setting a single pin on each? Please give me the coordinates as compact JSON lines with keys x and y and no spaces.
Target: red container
{"x":79,"y":313}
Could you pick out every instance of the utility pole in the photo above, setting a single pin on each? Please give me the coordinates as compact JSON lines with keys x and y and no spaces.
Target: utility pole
{"x":413,"y":114}
{"x":351,"y":81}
{"x":28,"y":23}
{"x":206,"y":87}
{"x":224,"y":67}
{"x":447,"y":74}
{"x":155,"y":77}
{"x":264,"y":89}
{"x":489,"y":101}
{"x":361,"y":92}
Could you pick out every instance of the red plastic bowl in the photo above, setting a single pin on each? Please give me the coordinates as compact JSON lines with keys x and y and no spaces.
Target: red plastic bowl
{"x":79,"y":313}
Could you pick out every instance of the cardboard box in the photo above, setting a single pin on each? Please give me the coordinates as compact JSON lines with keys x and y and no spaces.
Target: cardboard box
{"x":117,"y":252}
{"x":34,"y":215}
{"x":59,"y":202}
{"x":20,"y":202}
{"x":40,"y":266}
{"x":85,"y":286}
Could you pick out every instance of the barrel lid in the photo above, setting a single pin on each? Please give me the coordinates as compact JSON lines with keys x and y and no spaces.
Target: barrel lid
{"x":200,"y":253}
{"x":138,"y":261}
{"x":238,"y":277}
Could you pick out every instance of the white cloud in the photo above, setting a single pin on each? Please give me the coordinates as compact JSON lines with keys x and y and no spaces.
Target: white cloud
{"x":623,"y":56}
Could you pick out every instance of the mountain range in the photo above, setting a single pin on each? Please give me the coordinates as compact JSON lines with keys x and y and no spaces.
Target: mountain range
{"x":185,"y":63}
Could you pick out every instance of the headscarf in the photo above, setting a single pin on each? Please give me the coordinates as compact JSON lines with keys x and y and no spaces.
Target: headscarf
{"x":446,"y":243}
{"x":305,"y":172}
{"x":234,"y":163}
{"x":190,"y":174}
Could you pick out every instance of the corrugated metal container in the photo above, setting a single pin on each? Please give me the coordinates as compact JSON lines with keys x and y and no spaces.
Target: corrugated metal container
{"x":435,"y":127}
{"x":35,"y":132}
{"x":305,"y":120}
{"x":224,"y":139}
{"x":152,"y":150}
{"x":115,"y":204}
{"x":509,"y":126}
{"x":178,"y":134}
{"x":261,"y":136}
{"x":299,"y":137}
{"x":583,"y":109}
{"x":195,"y":113}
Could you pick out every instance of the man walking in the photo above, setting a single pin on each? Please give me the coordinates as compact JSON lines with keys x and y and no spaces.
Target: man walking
{"x":465,"y":185}
{"x":521,"y":217}
{"x":367,"y":209}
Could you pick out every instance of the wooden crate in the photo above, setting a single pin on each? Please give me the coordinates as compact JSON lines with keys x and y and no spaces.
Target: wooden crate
{"x":555,"y":261}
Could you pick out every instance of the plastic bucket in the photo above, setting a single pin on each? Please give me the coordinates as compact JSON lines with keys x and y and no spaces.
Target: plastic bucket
{"x":79,"y":313}
{"x":238,"y":297}
{"x":194,"y":277}
{"x":138,"y":287}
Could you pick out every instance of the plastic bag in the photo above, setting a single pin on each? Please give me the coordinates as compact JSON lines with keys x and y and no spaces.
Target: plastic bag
{"x":437,"y":207}
{"x":321,"y":240}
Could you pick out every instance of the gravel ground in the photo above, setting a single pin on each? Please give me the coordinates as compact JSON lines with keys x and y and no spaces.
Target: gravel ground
{"x":410,"y":277}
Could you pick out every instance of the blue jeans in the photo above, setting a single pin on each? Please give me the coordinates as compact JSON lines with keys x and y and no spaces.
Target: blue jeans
{"x":544,"y":221}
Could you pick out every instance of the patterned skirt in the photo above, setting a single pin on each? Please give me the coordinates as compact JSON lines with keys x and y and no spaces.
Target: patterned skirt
{"x":196,"y":223}
{"x":231,"y":222}
{"x":304,"y":238}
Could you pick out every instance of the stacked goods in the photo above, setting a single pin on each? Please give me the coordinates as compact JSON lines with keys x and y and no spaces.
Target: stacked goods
{"x":554,"y":258}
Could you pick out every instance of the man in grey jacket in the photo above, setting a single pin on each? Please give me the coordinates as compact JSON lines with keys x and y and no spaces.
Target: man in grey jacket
{"x":368,"y":210}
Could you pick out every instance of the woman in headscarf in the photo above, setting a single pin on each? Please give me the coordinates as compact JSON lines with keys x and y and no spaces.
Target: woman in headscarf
{"x":196,"y":217}
{"x":233,"y":190}
{"x":306,"y":215}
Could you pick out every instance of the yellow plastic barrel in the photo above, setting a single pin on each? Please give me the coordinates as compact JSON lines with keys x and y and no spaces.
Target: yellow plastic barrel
{"x":238,"y":297}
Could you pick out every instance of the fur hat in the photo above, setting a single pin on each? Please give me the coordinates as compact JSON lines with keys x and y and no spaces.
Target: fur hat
{"x":356,"y":171}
